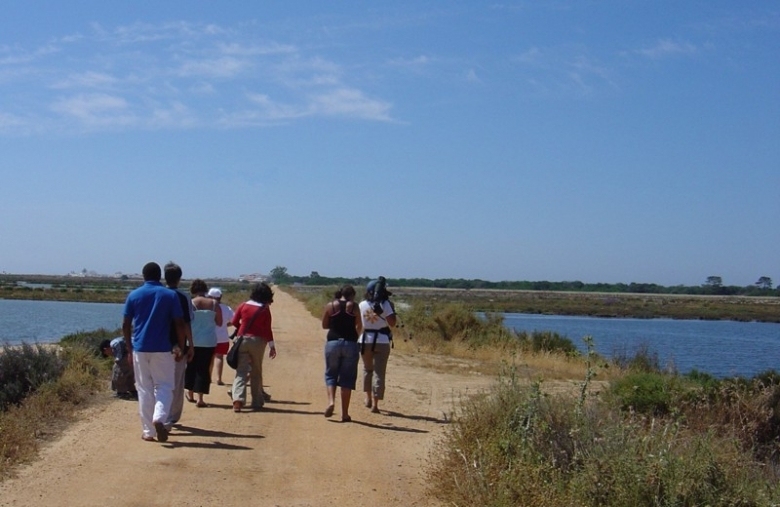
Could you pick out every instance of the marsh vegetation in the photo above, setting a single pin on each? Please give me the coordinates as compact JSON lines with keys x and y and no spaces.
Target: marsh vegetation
{"x":624,"y":433}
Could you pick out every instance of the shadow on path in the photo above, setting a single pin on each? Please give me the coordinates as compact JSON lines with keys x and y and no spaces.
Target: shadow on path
{"x":188,"y":431}
{"x":205,"y":445}
{"x":275,"y":410}
{"x":381,"y":426}
{"x":443,"y":420}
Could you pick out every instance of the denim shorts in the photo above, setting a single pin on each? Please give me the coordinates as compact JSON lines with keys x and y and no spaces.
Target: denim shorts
{"x":341,"y":363}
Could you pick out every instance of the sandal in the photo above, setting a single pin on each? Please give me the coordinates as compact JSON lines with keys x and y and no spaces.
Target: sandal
{"x":329,"y":411}
{"x":190,"y":399}
{"x":346,"y":418}
{"x":201,"y":404}
{"x":162,"y":432}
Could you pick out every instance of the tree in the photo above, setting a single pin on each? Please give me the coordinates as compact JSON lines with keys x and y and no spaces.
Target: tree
{"x":714,"y":281}
{"x":279,"y":274}
{"x":764,"y":283}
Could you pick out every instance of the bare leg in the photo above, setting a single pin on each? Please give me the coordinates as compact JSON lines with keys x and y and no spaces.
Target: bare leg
{"x":331,"y":400}
{"x":346,"y":395}
{"x":218,"y":359}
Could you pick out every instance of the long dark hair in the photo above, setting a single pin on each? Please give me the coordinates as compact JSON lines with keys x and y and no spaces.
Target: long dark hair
{"x":346,"y":291}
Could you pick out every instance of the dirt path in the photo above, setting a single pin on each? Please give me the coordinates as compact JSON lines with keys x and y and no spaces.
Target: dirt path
{"x":286,"y":455}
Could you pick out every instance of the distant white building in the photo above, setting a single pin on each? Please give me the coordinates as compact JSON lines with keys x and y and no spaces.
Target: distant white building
{"x":254,"y":277}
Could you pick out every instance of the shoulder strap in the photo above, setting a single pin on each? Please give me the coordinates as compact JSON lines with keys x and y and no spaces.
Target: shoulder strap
{"x":252,"y":319}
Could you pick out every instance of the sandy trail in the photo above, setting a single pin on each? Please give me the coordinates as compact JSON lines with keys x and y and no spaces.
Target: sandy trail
{"x":287,"y":455}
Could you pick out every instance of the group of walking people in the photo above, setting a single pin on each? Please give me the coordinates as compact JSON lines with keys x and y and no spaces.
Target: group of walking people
{"x":172,"y":341}
{"x":357,"y":331}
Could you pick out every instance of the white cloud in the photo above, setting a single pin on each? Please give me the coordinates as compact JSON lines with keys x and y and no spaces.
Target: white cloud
{"x":89,"y":79}
{"x":15,"y":55}
{"x":411,"y":62}
{"x":565,"y":69}
{"x":351,"y":103}
{"x":273,"y":48}
{"x":225,"y":67}
{"x":531,"y":56}
{"x":95,"y":109}
{"x":668,"y":48}
{"x":180,"y":75}
{"x":10,"y":121}
{"x":175,"y":115}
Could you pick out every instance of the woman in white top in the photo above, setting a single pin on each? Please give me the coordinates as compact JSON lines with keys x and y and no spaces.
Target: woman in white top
{"x":378,"y":316}
{"x":208,"y":316}
{"x":223,"y":335}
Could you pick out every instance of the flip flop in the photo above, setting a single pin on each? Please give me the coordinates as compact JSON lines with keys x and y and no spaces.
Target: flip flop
{"x":201,"y":404}
{"x":191,"y":400}
{"x":329,"y":411}
{"x":346,"y":418}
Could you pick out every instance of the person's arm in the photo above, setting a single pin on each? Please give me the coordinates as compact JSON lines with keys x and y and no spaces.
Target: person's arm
{"x":326,"y":315}
{"x":269,"y":332}
{"x":353,"y":308}
{"x":390,"y":317}
{"x":217,"y":313}
{"x":236,"y":320}
{"x":127,"y":334}
{"x":181,"y":336}
{"x":188,"y":339}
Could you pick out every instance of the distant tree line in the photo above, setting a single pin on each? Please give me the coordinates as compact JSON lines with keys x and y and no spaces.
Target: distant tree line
{"x":713,"y":285}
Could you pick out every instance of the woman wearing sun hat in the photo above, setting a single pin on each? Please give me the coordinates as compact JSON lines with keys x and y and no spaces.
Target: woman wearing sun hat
{"x":223,"y":336}
{"x":378,"y":316}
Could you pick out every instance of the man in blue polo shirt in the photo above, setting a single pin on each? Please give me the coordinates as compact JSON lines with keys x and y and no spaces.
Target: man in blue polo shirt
{"x":149,"y":311}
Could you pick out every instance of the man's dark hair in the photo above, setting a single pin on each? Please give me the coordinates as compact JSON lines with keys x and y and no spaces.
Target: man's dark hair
{"x":172,"y":273}
{"x":262,"y":293}
{"x":103,"y":346}
{"x":152,"y":272}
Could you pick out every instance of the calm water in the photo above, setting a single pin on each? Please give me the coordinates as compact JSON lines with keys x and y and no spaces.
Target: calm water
{"x":48,"y":321}
{"x":720,"y":348}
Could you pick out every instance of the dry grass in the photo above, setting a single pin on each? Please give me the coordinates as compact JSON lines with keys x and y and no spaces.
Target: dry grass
{"x":47,"y":411}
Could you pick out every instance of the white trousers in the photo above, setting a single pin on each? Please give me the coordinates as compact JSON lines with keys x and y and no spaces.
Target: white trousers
{"x":154,"y":379}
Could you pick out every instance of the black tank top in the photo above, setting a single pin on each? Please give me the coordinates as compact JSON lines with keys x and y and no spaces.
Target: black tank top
{"x":342,"y":324}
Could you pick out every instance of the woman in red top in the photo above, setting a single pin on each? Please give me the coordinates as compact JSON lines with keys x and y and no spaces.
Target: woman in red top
{"x":253,"y":321}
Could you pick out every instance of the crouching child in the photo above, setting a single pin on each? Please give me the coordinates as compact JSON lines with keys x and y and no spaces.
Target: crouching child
{"x":122,"y":376}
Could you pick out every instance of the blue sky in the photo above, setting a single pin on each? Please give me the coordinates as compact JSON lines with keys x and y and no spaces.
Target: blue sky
{"x":601,"y":141}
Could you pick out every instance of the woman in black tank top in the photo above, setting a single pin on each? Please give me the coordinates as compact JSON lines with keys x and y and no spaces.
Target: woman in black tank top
{"x":341,"y":318}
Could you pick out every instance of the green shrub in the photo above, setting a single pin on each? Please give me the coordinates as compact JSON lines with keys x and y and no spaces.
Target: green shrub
{"x":546,"y":341}
{"x":90,"y":340}
{"x":24,"y":368}
{"x":643,"y":359}
{"x":515,"y":446}
{"x":646,"y":392}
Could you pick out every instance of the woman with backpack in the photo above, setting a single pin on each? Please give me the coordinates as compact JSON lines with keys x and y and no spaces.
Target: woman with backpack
{"x":378,"y":316}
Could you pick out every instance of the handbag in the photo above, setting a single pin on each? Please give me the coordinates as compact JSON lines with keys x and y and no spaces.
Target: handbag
{"x":232,"y":356}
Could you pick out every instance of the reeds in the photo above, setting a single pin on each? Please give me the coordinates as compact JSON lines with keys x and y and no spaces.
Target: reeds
{"x":41,"y":388}
{"x":518,"y":446}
